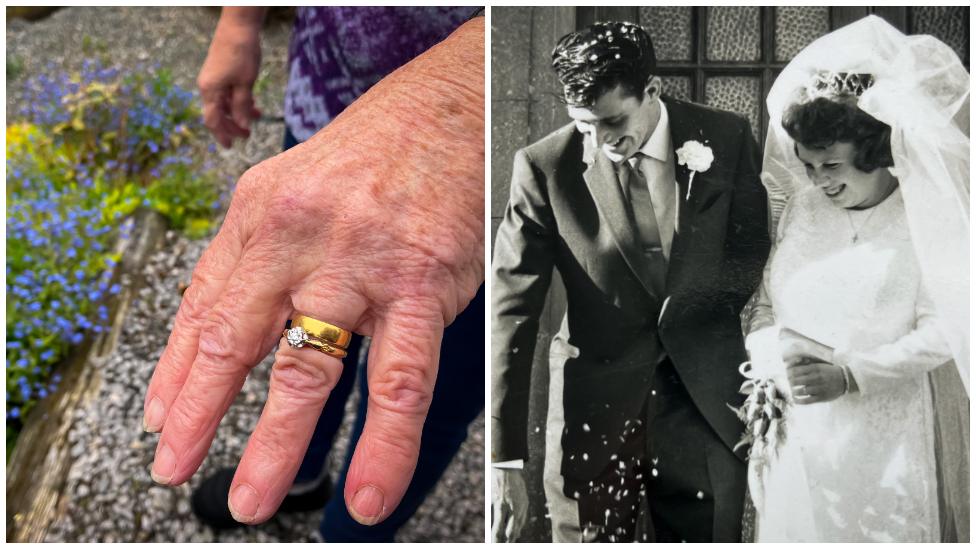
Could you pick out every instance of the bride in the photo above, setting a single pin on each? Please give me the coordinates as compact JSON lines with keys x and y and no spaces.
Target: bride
{"x":858,"y":406}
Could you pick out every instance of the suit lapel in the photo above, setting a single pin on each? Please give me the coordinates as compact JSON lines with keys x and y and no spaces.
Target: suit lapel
{"x":684,"y":126}
{"x":688,"y":123}
{"x":601,"y":178}
{"x":680,"y":132}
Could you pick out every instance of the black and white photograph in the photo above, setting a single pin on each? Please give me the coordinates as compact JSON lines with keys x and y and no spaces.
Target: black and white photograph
{"x":234,"y":313}
{"x":729,"y":278}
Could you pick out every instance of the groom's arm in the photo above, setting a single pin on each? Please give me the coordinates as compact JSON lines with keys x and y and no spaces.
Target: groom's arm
{"x":522,"y":271}
{"x":747,"y":241}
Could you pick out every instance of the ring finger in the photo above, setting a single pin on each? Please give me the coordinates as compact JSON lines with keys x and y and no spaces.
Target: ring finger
{"x":301,"y":382}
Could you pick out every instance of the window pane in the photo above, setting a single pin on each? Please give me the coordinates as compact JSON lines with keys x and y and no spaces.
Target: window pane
{"x":732,"y":34}
{"x":670,"y":29}
{"x":798,"y":26}
{"x":678,"y":87}
{"x":739,"y":94}
{"x":949,"y":24}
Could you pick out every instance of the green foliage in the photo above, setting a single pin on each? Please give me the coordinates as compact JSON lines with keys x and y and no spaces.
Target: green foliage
{"x":88,"y":150}
{"x":15,"y":67}
{"x":186,"y":199}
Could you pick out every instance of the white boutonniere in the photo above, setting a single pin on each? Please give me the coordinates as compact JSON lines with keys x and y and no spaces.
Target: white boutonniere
{"x":697,"y":157}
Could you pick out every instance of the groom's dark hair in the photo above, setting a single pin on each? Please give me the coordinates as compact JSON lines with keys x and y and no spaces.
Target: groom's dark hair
{"x":822,"y":122}
{"x":595,"y":60}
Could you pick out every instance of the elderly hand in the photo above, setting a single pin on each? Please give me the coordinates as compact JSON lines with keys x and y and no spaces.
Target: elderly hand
{"x":812,"y":375}
{"x":376,"y":225}
{"x":228,"y":74}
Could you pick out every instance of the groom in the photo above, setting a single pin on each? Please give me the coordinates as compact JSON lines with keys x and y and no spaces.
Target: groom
{"x":657,"y":261}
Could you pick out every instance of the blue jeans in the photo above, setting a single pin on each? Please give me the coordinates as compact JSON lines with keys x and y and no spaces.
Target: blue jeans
{"x":459,"y":396}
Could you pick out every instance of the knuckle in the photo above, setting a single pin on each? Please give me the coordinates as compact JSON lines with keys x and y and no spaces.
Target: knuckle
{"x":248,"y":181}
{"x":189,"y":417}
{"x":193,"y":309}
{"x":295,"y":209}
{"x":274,"y":446}
{"x":392,"y":442}
{"x":301,"y":381}
{"x":219,"y":344}
{"x":403,"y":389}
{"x":206,"y":82}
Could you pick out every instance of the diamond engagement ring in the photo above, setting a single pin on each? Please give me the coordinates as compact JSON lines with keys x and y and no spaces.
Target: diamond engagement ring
{"x":321,"y":336}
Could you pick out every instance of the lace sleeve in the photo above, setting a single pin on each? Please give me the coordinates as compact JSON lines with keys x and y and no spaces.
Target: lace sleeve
{"x":920,"y":350}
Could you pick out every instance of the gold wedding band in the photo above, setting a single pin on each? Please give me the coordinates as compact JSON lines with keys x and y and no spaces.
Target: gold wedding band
{"x":321,"y":336}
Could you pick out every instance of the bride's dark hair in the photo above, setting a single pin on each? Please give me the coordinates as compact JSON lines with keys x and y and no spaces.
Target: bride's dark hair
{"x":820,"y":123}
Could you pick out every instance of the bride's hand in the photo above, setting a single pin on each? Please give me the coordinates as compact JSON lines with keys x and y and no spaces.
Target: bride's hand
{"x":812,"y":382}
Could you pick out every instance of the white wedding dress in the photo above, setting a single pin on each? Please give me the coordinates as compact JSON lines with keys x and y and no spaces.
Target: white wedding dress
{"x":887,"y":288}
{"x":861,"y":467}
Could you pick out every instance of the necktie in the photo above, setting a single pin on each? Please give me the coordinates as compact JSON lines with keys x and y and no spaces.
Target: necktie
{"x":641,"y":209}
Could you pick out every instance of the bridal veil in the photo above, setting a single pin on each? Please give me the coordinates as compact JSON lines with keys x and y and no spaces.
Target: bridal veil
{"x":920,"y":89}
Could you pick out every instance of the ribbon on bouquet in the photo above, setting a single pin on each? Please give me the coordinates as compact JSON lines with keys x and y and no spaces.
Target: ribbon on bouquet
{"x":764,"y":409}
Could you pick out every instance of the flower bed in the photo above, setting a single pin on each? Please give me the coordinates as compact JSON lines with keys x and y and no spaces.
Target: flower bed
{"x":90,"y":149}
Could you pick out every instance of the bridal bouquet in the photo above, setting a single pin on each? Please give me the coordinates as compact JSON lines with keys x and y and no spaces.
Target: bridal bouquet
{"x":763,"y":413}
{"x":764,"y":409}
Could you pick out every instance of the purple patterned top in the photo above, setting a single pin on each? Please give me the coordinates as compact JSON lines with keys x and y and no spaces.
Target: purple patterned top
{"x":337,"y":53}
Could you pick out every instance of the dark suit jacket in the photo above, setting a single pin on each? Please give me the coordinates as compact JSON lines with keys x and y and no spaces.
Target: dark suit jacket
{"x":566,"y":214}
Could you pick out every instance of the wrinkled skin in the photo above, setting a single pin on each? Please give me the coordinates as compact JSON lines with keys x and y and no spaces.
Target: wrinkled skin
{"x":376,"y":224}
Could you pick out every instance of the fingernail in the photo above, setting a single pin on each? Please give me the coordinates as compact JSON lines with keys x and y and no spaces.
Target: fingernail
{"x":152,"y":422}
{"x":243,"y":503}
{"x":367,"y":505}
{"x":164,"y":465}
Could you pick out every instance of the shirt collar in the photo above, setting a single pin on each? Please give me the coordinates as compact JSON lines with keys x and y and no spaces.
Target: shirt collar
{"x":658,"y":145}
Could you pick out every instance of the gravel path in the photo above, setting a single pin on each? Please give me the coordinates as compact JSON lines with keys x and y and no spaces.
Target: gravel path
{"x":109,"y":495}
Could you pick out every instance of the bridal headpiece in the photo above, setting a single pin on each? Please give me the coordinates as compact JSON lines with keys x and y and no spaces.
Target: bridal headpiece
{"x":838,"y":86}
{"x":917,"y":85}
{"x":920,"y":88}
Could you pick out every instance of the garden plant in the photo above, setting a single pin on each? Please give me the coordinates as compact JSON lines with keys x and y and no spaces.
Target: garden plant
{"x":90,"y":148}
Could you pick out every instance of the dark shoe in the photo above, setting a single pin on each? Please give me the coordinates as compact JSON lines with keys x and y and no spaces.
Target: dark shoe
{"x":209,"y":501}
